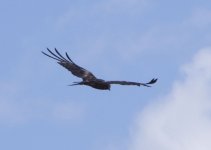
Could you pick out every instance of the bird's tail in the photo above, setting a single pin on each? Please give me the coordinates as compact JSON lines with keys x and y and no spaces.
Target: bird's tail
{"x":76,"y":83}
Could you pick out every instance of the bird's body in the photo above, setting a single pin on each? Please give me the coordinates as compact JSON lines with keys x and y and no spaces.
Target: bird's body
{"x":87,"y":77}
{"x":96,"y":83}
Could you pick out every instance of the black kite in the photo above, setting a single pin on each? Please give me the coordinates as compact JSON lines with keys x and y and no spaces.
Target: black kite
{"x":88,"y":78}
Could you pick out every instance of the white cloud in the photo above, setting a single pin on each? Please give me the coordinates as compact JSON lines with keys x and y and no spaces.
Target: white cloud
{"x":180,"y":120}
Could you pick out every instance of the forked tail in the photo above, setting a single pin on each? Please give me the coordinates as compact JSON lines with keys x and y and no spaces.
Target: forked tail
{"x":76,"y":83}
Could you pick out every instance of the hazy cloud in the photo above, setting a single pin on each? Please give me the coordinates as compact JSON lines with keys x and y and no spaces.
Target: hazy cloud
{"x":16,"y":109}
{"x":181,"y":120}
{"x":103,"y":8}
{"x":10,"y":110}
{"x":67,"y":111}
{"x":117,"y":6}
{"x":201,"y":18}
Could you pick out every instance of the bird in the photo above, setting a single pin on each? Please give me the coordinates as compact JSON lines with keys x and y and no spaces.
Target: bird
{"x":88,"y":78}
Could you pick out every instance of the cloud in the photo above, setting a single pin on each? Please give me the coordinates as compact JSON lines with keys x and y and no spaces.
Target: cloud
{"x":10,"y":110}
{"x":121,"y":6}
{"x":67,"y":111}
{"x":201,"y":18}
{"x":23,"y":100}
{"x":181,"y":120}
{"x":16,"y":110}
{"x":109,"y":7}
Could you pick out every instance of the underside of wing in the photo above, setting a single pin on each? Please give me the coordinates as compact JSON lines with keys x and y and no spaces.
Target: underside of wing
{"x":133,"y":83}
{"x":70,"y":65}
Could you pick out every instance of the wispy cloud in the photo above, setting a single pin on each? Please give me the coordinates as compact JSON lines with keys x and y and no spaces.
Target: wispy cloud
{"x":201,"y":18}
{"x":22,"y":99}
{"x":10,"y":110}
{"x":98,"y":26}
{"x":67,"y":111}
{"x":15,"y":110}
{"x":121,"y":6}
{"x":102,"y":8}
{"x":181,"y":120}
{"x":102,"y":31}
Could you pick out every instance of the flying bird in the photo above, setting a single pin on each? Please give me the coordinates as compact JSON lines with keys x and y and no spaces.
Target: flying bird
{"x":89,"y":78}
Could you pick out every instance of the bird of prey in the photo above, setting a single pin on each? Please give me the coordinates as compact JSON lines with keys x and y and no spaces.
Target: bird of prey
{"x":87,"y":77}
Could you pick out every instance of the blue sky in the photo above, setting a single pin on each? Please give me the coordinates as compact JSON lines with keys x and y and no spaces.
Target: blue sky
{"x":133,"y":40}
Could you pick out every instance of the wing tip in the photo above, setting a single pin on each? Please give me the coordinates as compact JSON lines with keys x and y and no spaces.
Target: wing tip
{"x":154,"y":80}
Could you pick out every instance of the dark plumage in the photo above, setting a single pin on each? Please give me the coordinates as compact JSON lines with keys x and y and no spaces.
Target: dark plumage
{"x":88,"y":78}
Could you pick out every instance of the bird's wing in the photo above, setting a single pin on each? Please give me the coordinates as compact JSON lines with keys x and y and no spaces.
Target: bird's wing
{"x":132,"y":83}
{"x":70,"y":65}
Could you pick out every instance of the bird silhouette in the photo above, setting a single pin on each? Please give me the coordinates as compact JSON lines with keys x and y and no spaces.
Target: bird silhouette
{"x":87,"y":77}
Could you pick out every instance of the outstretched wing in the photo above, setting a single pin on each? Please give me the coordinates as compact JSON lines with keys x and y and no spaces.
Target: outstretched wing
{"x":133,"y":83}
{"x":70,"y":65}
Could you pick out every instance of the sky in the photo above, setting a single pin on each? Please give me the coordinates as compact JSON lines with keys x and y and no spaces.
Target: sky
{"x":133,"y":40}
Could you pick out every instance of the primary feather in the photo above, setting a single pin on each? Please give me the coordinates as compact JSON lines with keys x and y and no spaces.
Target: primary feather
{"x":71,"y":66}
